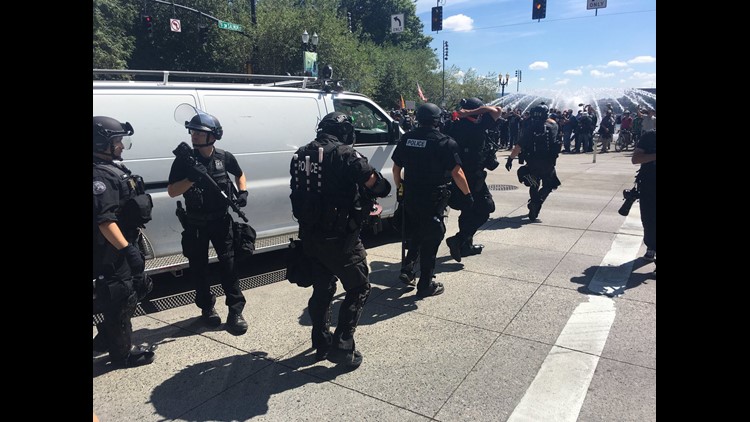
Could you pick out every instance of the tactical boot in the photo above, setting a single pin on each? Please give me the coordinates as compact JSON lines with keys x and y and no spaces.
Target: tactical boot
{"x":534,"y":208}
{"x":434,"y":289}
{"x":469,"y":249}
{"x":350,"y":358}
{"x":138,"y":355}
{"x":408,"y":278}
{"x":210,"y":317}
{"x":454,"y":244}
{"x":236,"y":324}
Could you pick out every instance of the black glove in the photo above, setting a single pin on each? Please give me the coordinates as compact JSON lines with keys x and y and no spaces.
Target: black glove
{"x":241,"y":198}
{"x":134,"y":258}
{"x":509,"y":163}
{"x":196,"y":172}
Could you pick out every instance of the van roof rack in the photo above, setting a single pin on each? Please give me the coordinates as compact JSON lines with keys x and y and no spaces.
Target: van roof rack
{"x":182,"y":76}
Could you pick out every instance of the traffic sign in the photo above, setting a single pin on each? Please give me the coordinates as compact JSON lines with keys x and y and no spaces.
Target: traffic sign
{"x":596,"y":4}
{"x":174,"y":25}
{"x":397,"y":23}
{"x":230,"y":26}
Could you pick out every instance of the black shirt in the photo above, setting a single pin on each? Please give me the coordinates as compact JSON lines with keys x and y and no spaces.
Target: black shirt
{"x":212,"y":201}
{"x":647,"y":143}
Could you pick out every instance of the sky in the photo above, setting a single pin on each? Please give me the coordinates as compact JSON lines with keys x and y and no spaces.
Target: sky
{"x":571,"y":49}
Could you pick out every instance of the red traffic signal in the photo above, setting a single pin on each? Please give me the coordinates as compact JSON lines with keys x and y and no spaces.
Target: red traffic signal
{"x":148,"y":23}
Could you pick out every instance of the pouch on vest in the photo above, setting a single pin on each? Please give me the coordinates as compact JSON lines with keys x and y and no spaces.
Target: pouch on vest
{"x":136,"y":211}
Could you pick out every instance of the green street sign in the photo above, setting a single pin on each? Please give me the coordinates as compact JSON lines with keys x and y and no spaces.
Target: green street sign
{"x":230,"y":26}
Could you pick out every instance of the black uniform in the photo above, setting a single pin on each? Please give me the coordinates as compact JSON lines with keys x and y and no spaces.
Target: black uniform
{"x":471,"y":138}
{"x":540,"y":148}
{"x":208,"y":219}
{"x":329,"y":203}
{"x":427,"y":157}
{"x":647,"y":190}
{"x":119,"y":196}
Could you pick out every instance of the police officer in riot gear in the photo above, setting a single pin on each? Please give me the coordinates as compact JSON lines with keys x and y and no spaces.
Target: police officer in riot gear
{"x":540,"y":147}
{"x":208,"y":217}
{"x":121,"y":206}
{"x":470,"y":132}
{"x":333,"y":190}
{"x":429,"y":160}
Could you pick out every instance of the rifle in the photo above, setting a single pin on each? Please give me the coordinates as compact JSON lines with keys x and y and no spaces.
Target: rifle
{"x":184,"y":152}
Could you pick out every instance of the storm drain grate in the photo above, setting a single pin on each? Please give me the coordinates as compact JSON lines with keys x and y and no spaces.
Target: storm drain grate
{"x":188,"y":298}
{"x":502,"y":187}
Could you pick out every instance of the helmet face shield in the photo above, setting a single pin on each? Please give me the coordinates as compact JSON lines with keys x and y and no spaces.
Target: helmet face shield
{"x":194,"y":119}
{"x":107,"y":131}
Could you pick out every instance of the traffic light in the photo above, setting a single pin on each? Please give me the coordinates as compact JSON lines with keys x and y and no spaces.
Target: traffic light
{"x":539,"y":10}
{"x":445,"y":50}
{"x":437,"y":18}
{"x":148,"y":23}
{"x":203,"y":34}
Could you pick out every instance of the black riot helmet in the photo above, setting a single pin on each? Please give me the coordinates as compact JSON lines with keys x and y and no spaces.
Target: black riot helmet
{"x":470,"y":103}
{"x":540,"y":112}
{"x":429,"y":114}
{"x":339,"y":125}
{"x":105,"y":129}
{"x":204,"y":122}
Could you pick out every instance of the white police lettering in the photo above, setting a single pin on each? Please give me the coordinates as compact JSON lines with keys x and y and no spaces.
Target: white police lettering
{"x":99,"y":187}
{"x":418,"y":143}
{"x":313,"y":166}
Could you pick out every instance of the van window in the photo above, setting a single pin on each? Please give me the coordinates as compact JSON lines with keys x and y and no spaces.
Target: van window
{"x":370,"y":124}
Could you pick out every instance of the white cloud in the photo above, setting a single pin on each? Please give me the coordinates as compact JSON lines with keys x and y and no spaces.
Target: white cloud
{"x":562,"y":82}
{"x":597,"y":74}
{"x":539,"y":66}
{"x":458,"y":23}
{"x":542,"y":79}
{"x":622,"y":81}
{"x":643,"y":75}
{"x":460,"y":74}
{"x":627,"y":69}
{"x":574,"y":72}
{"x":642,"y":59}
{"x":615,"y":63}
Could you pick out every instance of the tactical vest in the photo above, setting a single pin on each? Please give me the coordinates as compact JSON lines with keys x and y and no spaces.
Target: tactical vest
{"x":309,"y":166}
{"x":470,"y":139}
{"x":542,"y":143}
{"x":135,"y":204}
{"x":425,"y":169}
{"x":203,"y":200}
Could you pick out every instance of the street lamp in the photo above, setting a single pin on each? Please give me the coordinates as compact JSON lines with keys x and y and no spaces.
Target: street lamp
{"x":309,"y":54}
{"x":445,"y":57}
{"x":502,"y":84}
{"x":518,"y":79}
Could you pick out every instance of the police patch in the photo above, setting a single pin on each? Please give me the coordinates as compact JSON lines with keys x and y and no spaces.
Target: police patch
{"x":418,"y":143}
{"x":99,"y":187}
{"x":219,"y":164}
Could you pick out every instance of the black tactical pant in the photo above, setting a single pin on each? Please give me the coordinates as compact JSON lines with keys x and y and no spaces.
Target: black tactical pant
{"x":116,"y":300}
{"x":195,"y":240}
{"x":647,"y":202}
{"x":425,"y":228}
{"x":543,"y":171}
{"x":470,"y":220}
{"x":340,"y":259}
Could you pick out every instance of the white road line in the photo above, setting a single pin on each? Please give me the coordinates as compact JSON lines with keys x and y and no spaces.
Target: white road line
{"x":559,"y":388}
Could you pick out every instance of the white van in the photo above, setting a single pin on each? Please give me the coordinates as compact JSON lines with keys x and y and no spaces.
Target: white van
{"x":265,"y":119}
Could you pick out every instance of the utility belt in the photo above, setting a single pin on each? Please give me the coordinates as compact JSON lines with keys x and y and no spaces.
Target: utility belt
{"x":201,"y":219}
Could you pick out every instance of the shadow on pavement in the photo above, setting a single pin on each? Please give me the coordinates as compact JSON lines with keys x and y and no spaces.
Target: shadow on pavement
{"x":224,"y":389}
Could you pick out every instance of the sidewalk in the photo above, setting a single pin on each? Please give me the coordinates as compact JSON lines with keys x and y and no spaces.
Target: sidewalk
{"x":517,"y":335}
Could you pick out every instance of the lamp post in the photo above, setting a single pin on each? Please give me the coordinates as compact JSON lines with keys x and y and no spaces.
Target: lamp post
{"x":518,"y":79}
{"x":310,"y":45}
{"x":445,"y":57}
{"x":502,"y":84}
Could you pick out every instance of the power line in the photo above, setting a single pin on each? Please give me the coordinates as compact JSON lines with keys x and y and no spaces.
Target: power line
{"x":556,"y":20}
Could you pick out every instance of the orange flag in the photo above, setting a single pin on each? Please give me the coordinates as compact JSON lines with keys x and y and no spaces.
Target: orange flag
{"x":421,"y":95}
{"x":403,"y":104}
